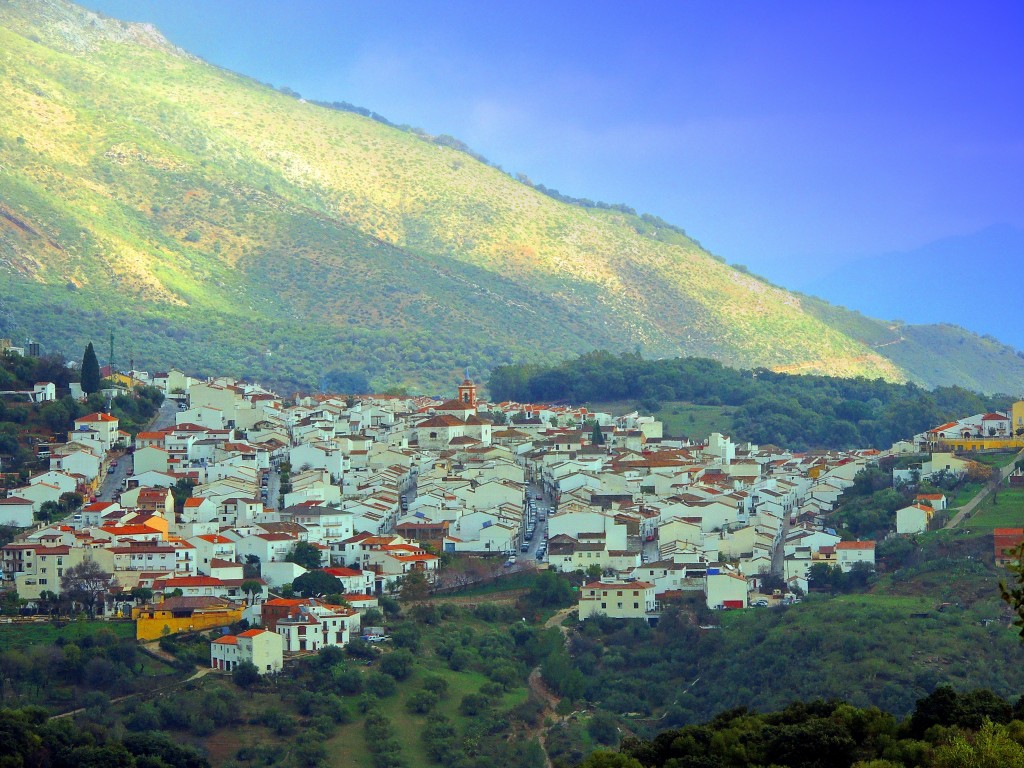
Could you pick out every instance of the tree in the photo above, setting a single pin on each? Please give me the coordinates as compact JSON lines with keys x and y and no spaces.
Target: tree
{"x":252,"y":568}
{"x":398,"y":664}
{"x":304,"y":554}
{"x":245,"y":675}
{"x":90,"y":371}
{"x":604,"y":759}
{"x":87,"y":584}
{"x":251,"y":588}
{"x":141,"y":594}
{"x":597,"y":437}
{"x":49,"y":510}
{"x":551,"y":590}
{"x":414,"y":586}
{"x":181,"y":491}
{"x":316,"y":584}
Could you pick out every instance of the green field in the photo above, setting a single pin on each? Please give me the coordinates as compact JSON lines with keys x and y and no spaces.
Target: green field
{"x":998,"y":460}
{"x":22,"y":635}
{"x":1004,"y":509}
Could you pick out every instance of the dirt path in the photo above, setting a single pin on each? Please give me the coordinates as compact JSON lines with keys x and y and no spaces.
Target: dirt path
{"x":199,"y":673}
{"x":544,"y":694}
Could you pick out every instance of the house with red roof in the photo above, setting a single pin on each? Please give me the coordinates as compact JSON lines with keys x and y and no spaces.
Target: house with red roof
{"x":314,"y":624}
{"x":914,"y":519}
{"x":260,"y":647}
{"x":212,"y":546}
{"x":618,"y":599}
{"x":850,"y":552}
{"x":103,"y":425}
{"x":1005,"y":541}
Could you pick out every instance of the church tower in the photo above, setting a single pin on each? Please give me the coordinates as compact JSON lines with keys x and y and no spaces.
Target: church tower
{"x":467,"y":393}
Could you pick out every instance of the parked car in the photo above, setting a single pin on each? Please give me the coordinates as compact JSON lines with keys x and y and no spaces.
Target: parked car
{"x":524,"y":547}
{"x":113,"y":465}
{"x":540,"y":553}
{"x":760,"y":603}
{"x":511,"y":561}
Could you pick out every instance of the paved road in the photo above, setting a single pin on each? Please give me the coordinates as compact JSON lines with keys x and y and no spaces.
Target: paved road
{"x":971,"y":505}
{"x":114,"y":481}
{"x":779,"y":555}
{"x":165,"y":416}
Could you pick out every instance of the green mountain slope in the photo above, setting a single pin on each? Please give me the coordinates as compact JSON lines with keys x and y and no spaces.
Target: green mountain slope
{"x":209,"y":218}
{"x":932,"y":354}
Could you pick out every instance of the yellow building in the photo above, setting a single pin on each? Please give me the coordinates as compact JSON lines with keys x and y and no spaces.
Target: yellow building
{"x":184,"y":614}
{"x":1017,"y":416}
{"x":969,"y":444}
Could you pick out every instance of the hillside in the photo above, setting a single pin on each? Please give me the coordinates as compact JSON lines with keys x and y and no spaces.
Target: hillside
{"x":915,"y":285}
{"x":205,"y":216}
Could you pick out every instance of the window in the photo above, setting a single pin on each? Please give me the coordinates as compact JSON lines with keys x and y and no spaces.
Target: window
{"x":42,"y":581}
{"x":636,"y":605}
{"x":619,"y":605}
{"x":619,"y":593}
{"x":604,"y":605}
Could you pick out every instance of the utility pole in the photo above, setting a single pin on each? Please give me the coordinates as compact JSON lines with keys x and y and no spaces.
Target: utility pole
{"x":111,"y":361}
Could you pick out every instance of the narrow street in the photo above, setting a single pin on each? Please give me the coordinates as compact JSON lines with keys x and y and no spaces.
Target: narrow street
{"x":779,"y":554}
{"x":114,"y":480}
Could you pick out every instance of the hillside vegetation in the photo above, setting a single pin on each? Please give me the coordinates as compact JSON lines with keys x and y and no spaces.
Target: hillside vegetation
{"x":794,"y":411}
{"x":200,"y":211}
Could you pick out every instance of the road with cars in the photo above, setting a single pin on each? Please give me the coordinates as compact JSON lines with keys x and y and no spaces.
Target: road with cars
{"x":123,"y":466}
{"x":544,"y":505}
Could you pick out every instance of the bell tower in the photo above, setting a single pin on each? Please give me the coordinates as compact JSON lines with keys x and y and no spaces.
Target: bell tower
{"x":467,"y":392}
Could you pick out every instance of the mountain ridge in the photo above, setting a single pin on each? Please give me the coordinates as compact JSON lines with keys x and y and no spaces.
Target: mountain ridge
{"x":135,"y":172}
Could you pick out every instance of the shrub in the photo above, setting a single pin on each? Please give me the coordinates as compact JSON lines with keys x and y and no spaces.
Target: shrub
{"x":421,"y":702}
{"x":381,"y":685}
{"x":398,"y":664}
{"x":473,"y":704}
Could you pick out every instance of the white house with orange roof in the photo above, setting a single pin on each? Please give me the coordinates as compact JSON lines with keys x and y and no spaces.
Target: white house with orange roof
{"x":913,"y":519}
{"x":146,"y":439}
{"x":312,"y":625}
{"x":850,"y":552}
{"x":618,"y":599}
{"x":355,"y":582}
{"x":260,"y":647}
{"x":199,"y":510}
{"x":105,"y":425}
{"x":212,"y":546}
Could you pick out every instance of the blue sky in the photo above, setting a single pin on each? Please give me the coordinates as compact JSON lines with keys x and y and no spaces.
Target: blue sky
{"x":785,"y":136}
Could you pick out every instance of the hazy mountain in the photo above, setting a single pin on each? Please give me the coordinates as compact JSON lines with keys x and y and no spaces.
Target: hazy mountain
{"x":210,"y":220}
{"x":966,"y":280}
